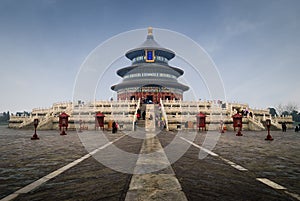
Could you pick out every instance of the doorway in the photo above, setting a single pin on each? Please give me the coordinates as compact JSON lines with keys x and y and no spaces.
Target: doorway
{"x":149,"y":99}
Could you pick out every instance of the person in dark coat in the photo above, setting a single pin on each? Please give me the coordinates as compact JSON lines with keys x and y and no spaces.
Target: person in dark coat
{"x":283,"y":127}
{"x":144,"y":115}
{"x":138,"y":114}
{"x":114,"y":127}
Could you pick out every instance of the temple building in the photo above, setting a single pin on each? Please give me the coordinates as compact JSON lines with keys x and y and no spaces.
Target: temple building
{"x":150,"y":77}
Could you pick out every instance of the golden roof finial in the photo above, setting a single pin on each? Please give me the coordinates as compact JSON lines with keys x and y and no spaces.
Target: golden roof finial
{"x":150,"y":29}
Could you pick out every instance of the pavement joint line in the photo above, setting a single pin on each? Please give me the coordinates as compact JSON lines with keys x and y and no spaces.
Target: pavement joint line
{"x":232,"y":164}
{"x":10,"y":197}
{"x":294,"y":195}
{"x":202,"y":148}
{"x":57,"y":172}
{"x":276,"y":186}
{"x":271,"y":183}
{"x":104,"y":146}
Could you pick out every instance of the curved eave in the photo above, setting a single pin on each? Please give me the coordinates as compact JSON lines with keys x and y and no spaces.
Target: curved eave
{"x":149,"y":82}
{"x":137,"y":68}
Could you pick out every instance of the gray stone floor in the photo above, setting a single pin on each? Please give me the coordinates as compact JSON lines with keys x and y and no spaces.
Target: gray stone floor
{"x":213,"y":179}
{"x":24,"y":161}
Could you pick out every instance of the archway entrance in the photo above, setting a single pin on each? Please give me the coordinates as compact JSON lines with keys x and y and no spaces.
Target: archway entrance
{"x":149,"y":99}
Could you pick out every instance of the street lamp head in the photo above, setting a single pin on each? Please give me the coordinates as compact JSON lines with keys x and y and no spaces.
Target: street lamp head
{"x":35,"y":122}
{"x":268,"y":122}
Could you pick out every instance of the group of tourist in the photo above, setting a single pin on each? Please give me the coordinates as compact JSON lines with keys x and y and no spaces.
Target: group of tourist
{"x":159,"y":119}
{"x":246,"y":112}
{"x":160,"y":122}
{"x":284,"y":127}
{"x":139,"y":115}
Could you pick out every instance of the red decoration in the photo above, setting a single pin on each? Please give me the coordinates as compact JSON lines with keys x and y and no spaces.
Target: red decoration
{"x":63,"y":123}
{"x":201,"y":121}
{"x":237,"y":122}
{"x":99,"y":120}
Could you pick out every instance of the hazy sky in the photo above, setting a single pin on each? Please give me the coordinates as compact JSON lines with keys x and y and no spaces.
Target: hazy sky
{"x":254,"y":44}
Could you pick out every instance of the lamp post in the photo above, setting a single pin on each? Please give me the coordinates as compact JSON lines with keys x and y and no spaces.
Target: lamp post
{"x":201,"y":121}
{"x":239,"y":125}
{"x":238,"y":122}
{"x":268,"y":123}
{"x":80,"y":128}
{"x":35,"y":123}
{"x":99,"y":120}
{"x":63,"y":123}
{"x":63,"y":127}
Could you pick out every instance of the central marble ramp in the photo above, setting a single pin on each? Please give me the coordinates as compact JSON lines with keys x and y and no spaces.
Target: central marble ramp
{"x":154,"y":178}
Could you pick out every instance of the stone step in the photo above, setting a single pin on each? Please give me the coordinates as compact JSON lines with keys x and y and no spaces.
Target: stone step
{"x":140,"y":123}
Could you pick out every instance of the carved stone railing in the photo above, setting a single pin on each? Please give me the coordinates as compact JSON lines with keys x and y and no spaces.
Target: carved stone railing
{"x":256,"y":121}
{"x":164,"y":114}
{"x":135,"y":114}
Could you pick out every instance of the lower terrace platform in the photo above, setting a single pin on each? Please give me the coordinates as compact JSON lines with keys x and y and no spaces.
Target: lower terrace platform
{"x":176,"y":114}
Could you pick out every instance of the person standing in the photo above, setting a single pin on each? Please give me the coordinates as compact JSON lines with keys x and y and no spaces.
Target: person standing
{"x":283,"y":127}
{"x":144,"y":115}
{"x":114,"y":127}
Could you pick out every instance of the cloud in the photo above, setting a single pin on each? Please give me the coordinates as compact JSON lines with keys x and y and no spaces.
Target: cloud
{"x":238,"y":27}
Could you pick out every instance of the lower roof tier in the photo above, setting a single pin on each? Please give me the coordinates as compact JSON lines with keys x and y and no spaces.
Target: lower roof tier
{"x":150,"y":82}
{"x":150,"y":68}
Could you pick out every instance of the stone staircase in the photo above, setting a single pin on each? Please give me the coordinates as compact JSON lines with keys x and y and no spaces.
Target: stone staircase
{"x":275,"y":125}
{"x":140,"y":123}
{"x":152,"y":112}
{"x":255,"y":124}
{"x":27,"y":123}
{"x":46,"y":123}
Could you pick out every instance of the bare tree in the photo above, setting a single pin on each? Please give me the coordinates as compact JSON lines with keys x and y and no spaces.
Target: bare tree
{"x":290,"y":107}
{"x":279,"y":109}
{"x":286,"y":109}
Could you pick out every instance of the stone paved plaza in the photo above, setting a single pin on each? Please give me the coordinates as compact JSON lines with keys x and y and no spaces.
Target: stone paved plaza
{"x":237,"y":168}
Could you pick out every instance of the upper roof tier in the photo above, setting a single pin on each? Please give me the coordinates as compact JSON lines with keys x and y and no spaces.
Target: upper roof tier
{"x":150,"y":44}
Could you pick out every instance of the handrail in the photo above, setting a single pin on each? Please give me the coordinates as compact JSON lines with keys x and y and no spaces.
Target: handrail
{"x":275,"y":123}
{"x":26,"y":122}
{"x":135,"y":112}
{"x":164,"y":114}
{"x":255,"y":121}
